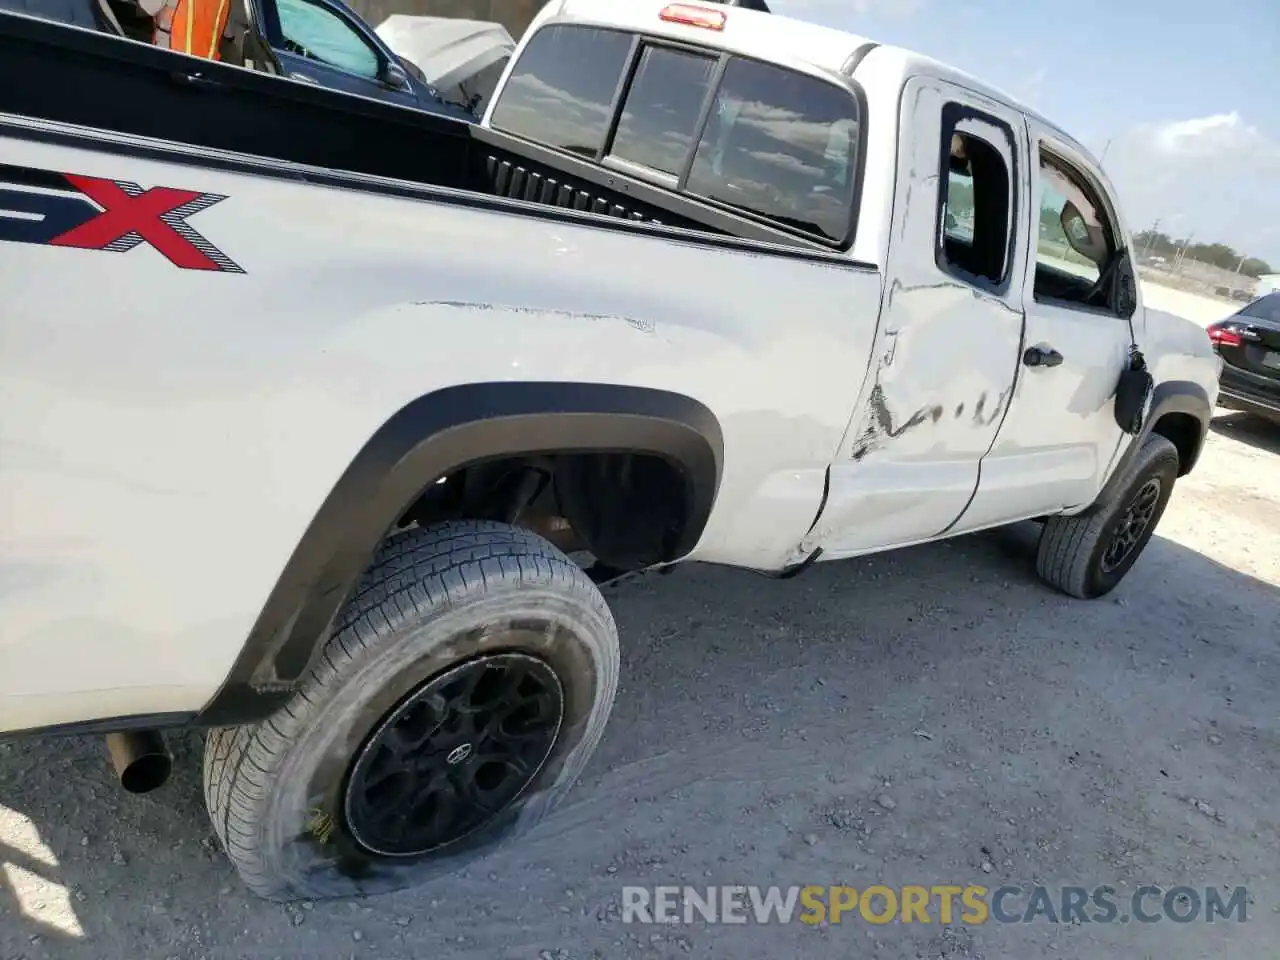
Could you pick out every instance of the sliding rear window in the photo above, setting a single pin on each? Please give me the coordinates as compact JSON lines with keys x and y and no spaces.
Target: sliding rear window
{"x":761,"y":140}
{"x":561,"y":91}
{"x":781,"y":145}
{"x":663,"y":108}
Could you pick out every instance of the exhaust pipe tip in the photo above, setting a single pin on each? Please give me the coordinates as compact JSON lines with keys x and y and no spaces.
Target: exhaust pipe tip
{"x":141,"y":759}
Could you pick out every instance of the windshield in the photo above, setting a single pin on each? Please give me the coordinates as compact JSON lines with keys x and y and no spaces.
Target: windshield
{"x":1264,"y":308}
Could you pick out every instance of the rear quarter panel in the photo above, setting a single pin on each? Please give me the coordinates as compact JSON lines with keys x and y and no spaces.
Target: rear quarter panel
{"x":1179,"y":349}
{"x":166,"y":435}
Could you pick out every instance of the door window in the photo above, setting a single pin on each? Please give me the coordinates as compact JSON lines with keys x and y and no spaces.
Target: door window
{"x":975,"y":212}
{"x":782,"y":145}
{"x":1075,"y":242}
{"x":561,"y":91}
{"x":660,"y":115}
{"x":318,"y":33}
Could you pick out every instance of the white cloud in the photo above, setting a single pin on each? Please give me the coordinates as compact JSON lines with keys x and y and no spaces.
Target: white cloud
{"x":1215,"y":176}
{"x":1224,"y":137}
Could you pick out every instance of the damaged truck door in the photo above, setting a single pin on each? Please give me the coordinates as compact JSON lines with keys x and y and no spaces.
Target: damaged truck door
{"x":1060,"y":437}
{"x":944,"y":365}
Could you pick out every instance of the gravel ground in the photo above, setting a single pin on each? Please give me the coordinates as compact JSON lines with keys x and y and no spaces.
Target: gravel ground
{"x":1203,"y":310}
{"x":930,"y":716}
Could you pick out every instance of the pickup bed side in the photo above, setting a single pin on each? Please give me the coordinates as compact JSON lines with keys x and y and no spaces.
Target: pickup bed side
{"x":220,"y":432}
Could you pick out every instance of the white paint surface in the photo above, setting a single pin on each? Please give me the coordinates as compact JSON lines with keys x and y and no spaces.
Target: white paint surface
{"x":166,"y":436}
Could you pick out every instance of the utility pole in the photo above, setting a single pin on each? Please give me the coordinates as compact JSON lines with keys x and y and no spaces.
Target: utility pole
{"x":1151,"y":236}
{"x":1183,"y":252}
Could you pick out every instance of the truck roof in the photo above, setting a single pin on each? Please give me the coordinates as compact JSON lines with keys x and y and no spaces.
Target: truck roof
{"x":776,"y":38}
{"x":754,"y":33}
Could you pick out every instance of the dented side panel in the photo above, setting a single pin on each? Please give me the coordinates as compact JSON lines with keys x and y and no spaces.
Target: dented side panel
{"x":156,"y":445}
{"x":945,"y":357}
{"x":1060,"y":435}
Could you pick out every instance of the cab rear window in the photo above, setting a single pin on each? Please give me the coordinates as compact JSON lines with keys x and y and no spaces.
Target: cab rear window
{"x":782,"y":145}
{"x":761,"y":140}
{"x":561,"y":91}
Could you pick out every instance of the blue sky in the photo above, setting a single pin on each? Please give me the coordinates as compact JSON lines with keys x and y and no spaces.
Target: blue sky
{"x":1188,"y":93}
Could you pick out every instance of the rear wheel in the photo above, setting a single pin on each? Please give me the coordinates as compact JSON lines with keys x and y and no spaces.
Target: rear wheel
{"x":463,"y":690}
{"x":1087,"y":556}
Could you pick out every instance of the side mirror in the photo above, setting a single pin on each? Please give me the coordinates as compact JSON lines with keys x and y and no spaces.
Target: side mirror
{"x":395,"y":76}
{"x":1086,"y":240}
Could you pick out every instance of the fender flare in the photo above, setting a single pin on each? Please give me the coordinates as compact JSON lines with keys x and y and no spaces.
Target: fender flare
{"x":428,"y":438}
{"x":1171,"y":396}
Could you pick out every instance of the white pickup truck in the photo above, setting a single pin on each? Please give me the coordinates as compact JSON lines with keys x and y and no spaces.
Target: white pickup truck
{"x":311,"y":404}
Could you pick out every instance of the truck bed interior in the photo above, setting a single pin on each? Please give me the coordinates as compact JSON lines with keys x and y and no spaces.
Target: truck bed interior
{"x":50,"y":71}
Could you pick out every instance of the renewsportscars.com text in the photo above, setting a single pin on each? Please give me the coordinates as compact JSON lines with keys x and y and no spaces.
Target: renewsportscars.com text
{"x":943,"y":903}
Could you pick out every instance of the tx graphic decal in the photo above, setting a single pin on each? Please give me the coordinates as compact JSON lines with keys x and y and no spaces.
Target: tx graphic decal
{"x":90,"y":213}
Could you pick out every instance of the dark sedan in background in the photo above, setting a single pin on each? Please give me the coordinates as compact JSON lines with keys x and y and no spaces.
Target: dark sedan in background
{"x":1249,"y":343}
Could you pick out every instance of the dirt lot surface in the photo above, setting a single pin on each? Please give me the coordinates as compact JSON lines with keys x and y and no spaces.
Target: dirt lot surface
{"x":1203,"y":310}
{"x":931,"y":716}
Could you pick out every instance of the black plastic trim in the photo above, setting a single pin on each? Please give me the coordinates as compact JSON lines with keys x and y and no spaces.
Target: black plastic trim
{"x":856,"y":58}
{"x":430,"y":438}
{"x":952,"y":114}
{"x":723,"y":227}
{"x":1171,"y":396}
{"x":101,"y":727}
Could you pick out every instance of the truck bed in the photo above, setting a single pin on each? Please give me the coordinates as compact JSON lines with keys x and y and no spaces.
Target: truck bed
{"x":53,"y":72}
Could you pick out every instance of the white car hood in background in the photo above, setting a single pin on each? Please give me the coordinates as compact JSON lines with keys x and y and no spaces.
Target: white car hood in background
{"x":447,"y":50}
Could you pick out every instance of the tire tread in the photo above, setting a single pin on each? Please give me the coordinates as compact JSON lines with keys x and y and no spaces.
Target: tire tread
{"x":413,"y":573}
{"x":1067,"y":543}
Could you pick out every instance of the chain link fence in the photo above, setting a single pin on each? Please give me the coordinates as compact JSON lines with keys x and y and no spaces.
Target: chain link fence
{"x":1193,"y":276}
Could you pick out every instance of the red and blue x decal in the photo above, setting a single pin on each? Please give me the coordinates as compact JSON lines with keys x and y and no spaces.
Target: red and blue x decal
{"x":92,"y":213}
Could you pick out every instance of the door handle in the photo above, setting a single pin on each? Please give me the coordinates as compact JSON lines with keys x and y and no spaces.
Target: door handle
{"x":1041,"y":357}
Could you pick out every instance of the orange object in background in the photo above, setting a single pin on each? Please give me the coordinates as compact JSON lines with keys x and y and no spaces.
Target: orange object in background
{"x":192,"y":26}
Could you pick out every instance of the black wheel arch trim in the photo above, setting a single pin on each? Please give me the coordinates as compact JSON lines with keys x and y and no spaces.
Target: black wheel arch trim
{"x":430,"y":437}
{"x":1170,"y":396}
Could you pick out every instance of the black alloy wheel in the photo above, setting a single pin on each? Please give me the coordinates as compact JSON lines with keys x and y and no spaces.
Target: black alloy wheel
{"x":453,"y":755}
{"x":1132,"y":525}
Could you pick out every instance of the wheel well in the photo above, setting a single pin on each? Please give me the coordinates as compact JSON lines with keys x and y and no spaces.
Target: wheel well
{"x":1185,"y":432}
{"x":629,"y":510}
{"x":629,"y":473}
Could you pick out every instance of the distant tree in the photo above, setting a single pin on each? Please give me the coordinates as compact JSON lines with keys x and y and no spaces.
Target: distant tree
{"x":1217,"y":254}
{"x":1155,"y":243}
{"x":960,"y":194}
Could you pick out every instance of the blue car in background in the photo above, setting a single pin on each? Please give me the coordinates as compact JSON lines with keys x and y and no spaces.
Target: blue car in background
{"x":322,"y":42}
{"x":325,"y":42}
